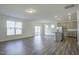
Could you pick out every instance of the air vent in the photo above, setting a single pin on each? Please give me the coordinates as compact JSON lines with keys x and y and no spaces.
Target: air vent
{"x":69,"y":6}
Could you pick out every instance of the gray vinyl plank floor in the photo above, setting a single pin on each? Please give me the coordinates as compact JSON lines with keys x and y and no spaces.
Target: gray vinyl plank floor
{"x":45,"y":45}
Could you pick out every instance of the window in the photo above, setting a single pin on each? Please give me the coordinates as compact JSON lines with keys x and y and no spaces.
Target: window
{"x":46,"y":29}
{"x":18,"y":28}
{"x":14,"y":28}
{"x":49,"y":29}
{"x":52,"y":26}
{"x":37,"y":30}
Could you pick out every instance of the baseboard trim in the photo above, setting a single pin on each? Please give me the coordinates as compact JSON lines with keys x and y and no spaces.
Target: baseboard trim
{"x":25,"y":37}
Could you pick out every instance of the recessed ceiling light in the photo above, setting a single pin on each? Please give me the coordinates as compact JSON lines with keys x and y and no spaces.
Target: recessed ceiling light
{"x":55,"y":16}
{"x":69,"y":14}
{"x":30,"y":10}
{"x":59,"y":18}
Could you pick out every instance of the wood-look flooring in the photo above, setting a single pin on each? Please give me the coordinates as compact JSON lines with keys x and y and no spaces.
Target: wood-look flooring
{"x":39,"y":45}
{"x":67,"y":47}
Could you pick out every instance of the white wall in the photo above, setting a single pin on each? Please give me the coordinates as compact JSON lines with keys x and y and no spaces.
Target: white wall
{"x":78,"y":24}
{"x":27,"y":28}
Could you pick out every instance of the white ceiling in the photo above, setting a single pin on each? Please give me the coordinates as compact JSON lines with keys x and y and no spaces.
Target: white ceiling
{"x":43,"y":11}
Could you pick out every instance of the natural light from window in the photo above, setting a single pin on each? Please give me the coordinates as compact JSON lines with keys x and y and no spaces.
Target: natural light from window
{"x":52,"y":26}
{"x":14,"y":28}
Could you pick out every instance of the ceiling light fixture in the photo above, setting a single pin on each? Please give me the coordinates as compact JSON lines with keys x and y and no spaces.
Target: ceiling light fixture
{"x":55,"y":16}
{"x":58,"y":18}
{"x":30,"y":10}
{"x":69,"y":14}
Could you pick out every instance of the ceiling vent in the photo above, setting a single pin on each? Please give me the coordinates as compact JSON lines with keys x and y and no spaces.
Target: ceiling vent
{"x":69,"y":6}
